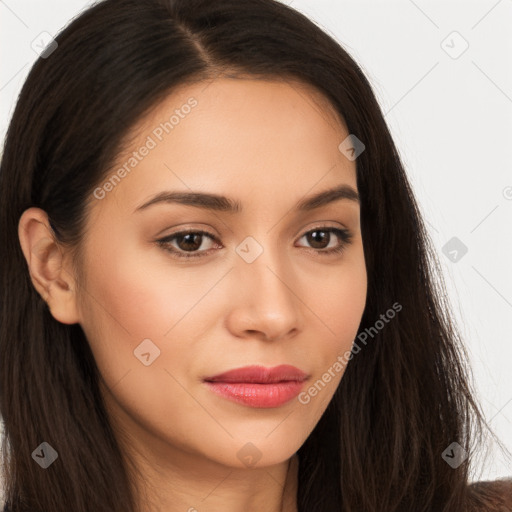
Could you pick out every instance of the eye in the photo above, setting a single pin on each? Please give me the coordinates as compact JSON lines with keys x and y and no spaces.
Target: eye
{"x":190,"y":244}
{"x":322,"y":235}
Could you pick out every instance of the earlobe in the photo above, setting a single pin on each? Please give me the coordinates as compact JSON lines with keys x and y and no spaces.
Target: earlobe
{"x":47,"y":265}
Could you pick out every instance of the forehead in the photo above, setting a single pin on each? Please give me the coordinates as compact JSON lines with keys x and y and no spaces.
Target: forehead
{"x":242,"y":108}
{"x":235,"y":135}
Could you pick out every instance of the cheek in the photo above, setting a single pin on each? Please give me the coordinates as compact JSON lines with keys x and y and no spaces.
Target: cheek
{"x":138,"y":291}
{"x":134,"y":295}
{"x":336,"y":296}
{"x":340,"y":302}
{"x":134,"y":306}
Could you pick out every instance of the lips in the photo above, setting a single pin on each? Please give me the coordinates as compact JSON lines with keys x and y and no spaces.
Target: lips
{"x":260,"y":375}
{"x":257,"y":386}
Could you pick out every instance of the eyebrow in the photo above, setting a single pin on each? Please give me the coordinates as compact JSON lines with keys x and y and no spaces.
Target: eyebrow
{"x":224,"y":204}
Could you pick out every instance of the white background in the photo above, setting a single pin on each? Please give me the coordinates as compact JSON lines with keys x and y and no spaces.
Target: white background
{"x":452,"y":122}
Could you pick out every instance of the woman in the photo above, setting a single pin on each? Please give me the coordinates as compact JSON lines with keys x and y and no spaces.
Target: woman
{"x":218,"y":292}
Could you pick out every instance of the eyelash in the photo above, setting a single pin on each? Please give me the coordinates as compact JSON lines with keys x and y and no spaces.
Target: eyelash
{"x":343,"y":234}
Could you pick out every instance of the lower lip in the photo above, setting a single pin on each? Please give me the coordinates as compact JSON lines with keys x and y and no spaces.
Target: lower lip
{"x":257,"y":395}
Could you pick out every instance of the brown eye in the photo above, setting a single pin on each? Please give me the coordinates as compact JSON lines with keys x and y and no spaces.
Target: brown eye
{"x":187,"y":243}
{"x":321,"y":238}
{"x":318,"y":238}
{"x":190,"y":244}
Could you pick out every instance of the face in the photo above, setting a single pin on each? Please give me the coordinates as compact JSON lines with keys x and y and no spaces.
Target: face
{"x":276,"y":281}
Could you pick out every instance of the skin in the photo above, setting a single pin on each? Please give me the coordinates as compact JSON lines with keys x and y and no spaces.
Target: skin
{"x":267,"y":144}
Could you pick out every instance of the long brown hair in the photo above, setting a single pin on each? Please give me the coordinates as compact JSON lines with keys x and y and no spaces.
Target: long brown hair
{"x":404,"y":398}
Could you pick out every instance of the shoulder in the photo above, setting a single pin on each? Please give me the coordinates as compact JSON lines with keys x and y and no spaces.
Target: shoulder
{"x":491,"y":496}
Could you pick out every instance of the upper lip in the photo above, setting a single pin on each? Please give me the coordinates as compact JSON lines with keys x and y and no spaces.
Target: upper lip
{"x":260,"y":374}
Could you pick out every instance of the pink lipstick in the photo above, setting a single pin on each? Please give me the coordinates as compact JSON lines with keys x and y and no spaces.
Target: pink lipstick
{"x":257,"y":386}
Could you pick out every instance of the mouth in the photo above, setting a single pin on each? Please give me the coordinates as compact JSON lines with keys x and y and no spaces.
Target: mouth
{"x":257,"y":386}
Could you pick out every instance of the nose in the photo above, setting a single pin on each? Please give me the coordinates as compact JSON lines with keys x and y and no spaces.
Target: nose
{"x":266,"y":302}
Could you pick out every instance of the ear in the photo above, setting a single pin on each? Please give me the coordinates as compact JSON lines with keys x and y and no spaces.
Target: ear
{"x":47,"y":265}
